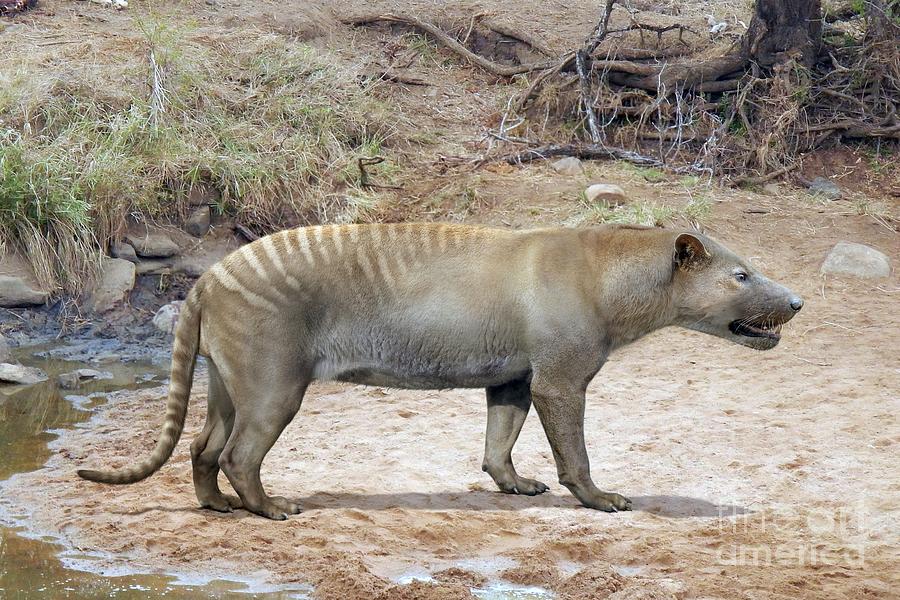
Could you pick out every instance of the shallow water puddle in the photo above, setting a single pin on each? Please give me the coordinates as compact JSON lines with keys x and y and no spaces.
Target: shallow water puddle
{"x":495,"y":591}
{"x":39,"y":567}
{"x":510,"y":592}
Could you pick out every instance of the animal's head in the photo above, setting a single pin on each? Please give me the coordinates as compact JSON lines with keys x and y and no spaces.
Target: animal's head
{"x":717,"y":292}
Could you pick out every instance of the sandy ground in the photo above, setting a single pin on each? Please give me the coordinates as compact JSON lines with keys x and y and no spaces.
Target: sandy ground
{"x":754,"y":475}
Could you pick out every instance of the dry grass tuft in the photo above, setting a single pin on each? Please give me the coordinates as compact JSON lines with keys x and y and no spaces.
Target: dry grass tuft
{"x":98,"y":134}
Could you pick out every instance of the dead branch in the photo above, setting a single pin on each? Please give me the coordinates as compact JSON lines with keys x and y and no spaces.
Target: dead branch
{"x":395,"y":77}
{"x":601,"y":30}
{"x":525,"y":96}
{"x":858,"y":129}
{"x":369,"y":161}
{"x":582,"y":151}
{"x":632,"y":54}
{"x":625,"y":66}
{"x":586,"y":99}
{"x":591,"y":44}
{"x":451,"y":44}
{"x":245,"y":232}
{"x":666,"y":78}
{"x":659,"y":30}
{"x":759,"y":179}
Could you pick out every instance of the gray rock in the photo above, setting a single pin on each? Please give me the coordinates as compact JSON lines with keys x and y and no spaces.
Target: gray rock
{"x":567,"y":166}
{"x":73,"y":380}
{"x":152,"y":244}
{"x":123,"y":251}
{"x":69,"y":381}
{"x":82,"y":351}
{"x":5,"y":354}
{"x":821,"y":186}
{"x":116,"y":280}
{"x":771,"y":189}
{"x":18,"y":291}
{"x":10,"y":373}
{"x":166,"y":318}
{"x":605,"y":192}
{"x":154,"y":267}
{"x":198,"y":261}
{"x":197,"y":223}
{"x":859,"y":260}
{"x":193,"y":266}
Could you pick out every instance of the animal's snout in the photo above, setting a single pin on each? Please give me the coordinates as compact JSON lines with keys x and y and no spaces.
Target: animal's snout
{"x":796,"y":303}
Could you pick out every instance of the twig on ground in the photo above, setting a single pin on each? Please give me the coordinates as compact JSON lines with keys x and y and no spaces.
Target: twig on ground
{"x":582,"y":151}
{"x":59,"y":43}
{"x":245,"y":232}
{"x":368,"y":161}
{"x":756,"y":180}
{"x":395,"y":77}
{"x":812,"y":362}
{"x":452,"y":44}
{"x":503,"y":130}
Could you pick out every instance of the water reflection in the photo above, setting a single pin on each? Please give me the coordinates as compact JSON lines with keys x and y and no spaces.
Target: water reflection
{"x":39,"y":568}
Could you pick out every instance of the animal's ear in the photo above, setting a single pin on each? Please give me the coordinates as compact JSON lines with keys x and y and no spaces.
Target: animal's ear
{"x":690,"y":252}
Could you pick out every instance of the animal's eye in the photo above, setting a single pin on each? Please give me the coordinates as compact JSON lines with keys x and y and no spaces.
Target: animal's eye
{"x":740,"y":276}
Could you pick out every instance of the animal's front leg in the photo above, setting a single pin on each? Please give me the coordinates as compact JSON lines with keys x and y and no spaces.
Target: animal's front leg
{"x":560,"y":405}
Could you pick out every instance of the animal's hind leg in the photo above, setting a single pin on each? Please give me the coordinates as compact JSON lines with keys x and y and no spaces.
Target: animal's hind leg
{"x":508,"y":406}
{"x":256,"y":428}
{"x":206,"y":447}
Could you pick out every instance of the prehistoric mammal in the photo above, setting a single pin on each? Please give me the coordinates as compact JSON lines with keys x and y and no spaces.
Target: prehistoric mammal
{"x":529,"y":315}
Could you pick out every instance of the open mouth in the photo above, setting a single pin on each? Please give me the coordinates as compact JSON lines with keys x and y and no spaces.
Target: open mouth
{"x":756,"y":330}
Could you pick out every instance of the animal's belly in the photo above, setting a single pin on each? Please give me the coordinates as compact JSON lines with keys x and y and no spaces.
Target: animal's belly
{"x":465,"y":374}
{"x":429,"y":345}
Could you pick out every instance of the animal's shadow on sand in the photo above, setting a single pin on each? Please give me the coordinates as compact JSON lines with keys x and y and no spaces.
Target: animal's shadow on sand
{"x":666,"y":506}
{"x":676,"y":507}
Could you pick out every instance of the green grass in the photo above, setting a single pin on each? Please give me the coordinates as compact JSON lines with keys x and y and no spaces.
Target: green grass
{"x":274,"y":126}
{"x":650,"y":214}
{"x":650,"y":174}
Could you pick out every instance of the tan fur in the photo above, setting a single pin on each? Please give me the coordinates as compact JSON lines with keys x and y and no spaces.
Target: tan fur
{"x":529,"y":315}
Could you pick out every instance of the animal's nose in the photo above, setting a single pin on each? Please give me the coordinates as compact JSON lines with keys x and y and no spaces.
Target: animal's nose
{"x":796,"y":303}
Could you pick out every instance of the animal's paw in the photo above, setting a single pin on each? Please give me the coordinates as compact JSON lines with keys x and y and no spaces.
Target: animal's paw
{"x":530,"y":487}
{"x":225,"y":503}
{"x":608,"y":502}
{"x":285,"y":505}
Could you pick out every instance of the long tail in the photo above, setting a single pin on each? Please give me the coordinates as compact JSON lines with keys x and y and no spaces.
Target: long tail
{"x":184,"y":358}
